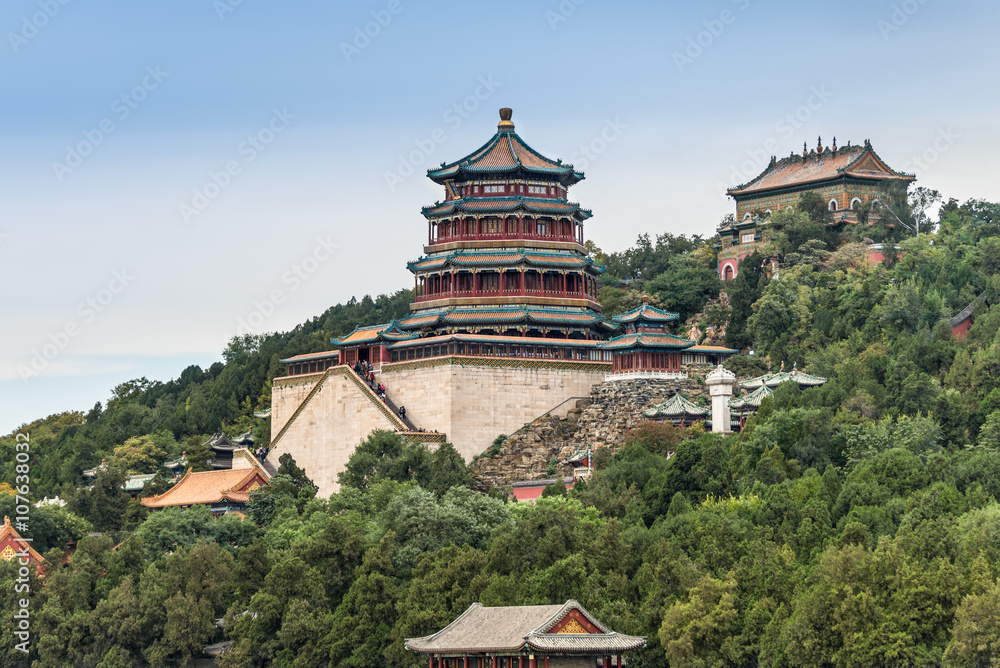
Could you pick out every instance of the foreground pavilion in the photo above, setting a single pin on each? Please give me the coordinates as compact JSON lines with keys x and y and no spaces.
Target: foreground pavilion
{"x":527,"y":636}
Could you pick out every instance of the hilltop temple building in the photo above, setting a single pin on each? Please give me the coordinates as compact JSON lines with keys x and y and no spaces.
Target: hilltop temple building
{"x":847,"y":178}
{"x":504,"y":326}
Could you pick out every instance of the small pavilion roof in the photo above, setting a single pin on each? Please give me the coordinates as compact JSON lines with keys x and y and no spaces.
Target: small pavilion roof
{"x":967,"y":312}
{"x":507,"y":204}
{"x":653,"y":340}
{"x":233,"y":484}
{"x":820,"y":164}
{"x":775,"y":379}
{"x":712,"y":349}
{"x":308,"y":357}
{"x":10,"y":540}
{"x":752,"y":400}
{"x":675,"y":406}
{"x":135,"y":483}
{"x":514,"y":628}
{"x":219,"y":442}
{"x":389,"y":333}
{"x":92,"y":473}
{"x":505,"y":154}
{"x":179,"y":463}
{"x":645,"y":312}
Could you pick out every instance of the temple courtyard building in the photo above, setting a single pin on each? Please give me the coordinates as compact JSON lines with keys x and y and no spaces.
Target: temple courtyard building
{"x":224,"y":490}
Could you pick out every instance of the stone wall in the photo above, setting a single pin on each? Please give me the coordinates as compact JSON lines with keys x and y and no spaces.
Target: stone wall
{"x":324,"y":435}
{"x":469,"y":400}
{"x":600,"y":420}
{"x":472,"y":401}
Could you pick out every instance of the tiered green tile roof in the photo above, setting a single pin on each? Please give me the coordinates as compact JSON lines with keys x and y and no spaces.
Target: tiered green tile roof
{"x":505,"y":154}
{"x":508,"y":257}
{"x":775,"y":379}
{"x":675,"y":407}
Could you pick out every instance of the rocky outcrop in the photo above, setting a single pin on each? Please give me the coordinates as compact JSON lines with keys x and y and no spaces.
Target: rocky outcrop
{"x":713,"y":336}
{"x":601,"y":420}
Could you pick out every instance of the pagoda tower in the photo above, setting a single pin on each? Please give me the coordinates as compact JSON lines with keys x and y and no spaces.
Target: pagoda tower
{"x":504,"y":254}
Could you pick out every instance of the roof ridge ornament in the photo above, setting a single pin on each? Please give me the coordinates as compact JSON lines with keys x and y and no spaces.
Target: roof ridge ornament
{"x":505,"y":124}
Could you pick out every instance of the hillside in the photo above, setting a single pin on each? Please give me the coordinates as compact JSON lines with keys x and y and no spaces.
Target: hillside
{"x":849,"y":524}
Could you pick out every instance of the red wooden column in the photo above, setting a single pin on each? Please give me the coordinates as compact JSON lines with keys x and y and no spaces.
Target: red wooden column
{"x":466,"y":661}
{"x":520,"y":662}
{"x":607,"y":662}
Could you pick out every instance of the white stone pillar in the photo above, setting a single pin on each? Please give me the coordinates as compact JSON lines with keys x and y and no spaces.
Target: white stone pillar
{"x":720,"y":387}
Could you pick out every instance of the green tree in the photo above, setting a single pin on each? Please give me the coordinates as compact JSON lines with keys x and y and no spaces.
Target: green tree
{"x":448,"y":469}
{"x":694,"y":633}
{"x":385,"y":456}
{"x":744,"y":291}
{"x":976,"y":632}
{"x":104,"y":503}
{"x":444,"y":584}
{"x":362,"y":625}
{"x":287,"y":466}
{"x":953,"y":416}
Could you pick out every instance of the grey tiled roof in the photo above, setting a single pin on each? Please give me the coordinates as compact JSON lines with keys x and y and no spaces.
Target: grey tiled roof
{"x":513,"y":628}
{"x":966,"y":313}
{"x":585,"y":642}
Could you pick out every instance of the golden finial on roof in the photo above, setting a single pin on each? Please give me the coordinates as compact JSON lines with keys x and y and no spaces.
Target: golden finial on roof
{"x":505,"y":122}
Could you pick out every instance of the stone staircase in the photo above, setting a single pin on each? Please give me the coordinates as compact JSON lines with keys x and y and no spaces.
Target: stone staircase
{"x":298,"y":411}
{"x":390,"y":411}
{"x":387,"y":408}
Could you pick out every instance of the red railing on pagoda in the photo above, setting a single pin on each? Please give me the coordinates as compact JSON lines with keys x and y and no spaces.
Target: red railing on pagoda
{"x":509,"y":229}
{"x":424,"y":295}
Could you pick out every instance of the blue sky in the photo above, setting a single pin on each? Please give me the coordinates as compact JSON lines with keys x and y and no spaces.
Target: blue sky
{"x":173,"y":172}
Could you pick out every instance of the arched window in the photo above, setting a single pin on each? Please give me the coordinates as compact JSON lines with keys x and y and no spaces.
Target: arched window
{"x":746,"y":216}
{"x":833,"y":205}
{"x":855,"y":203}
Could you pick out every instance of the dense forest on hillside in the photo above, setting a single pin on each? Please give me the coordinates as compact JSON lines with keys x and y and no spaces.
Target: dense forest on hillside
{"x":852,"y":524}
